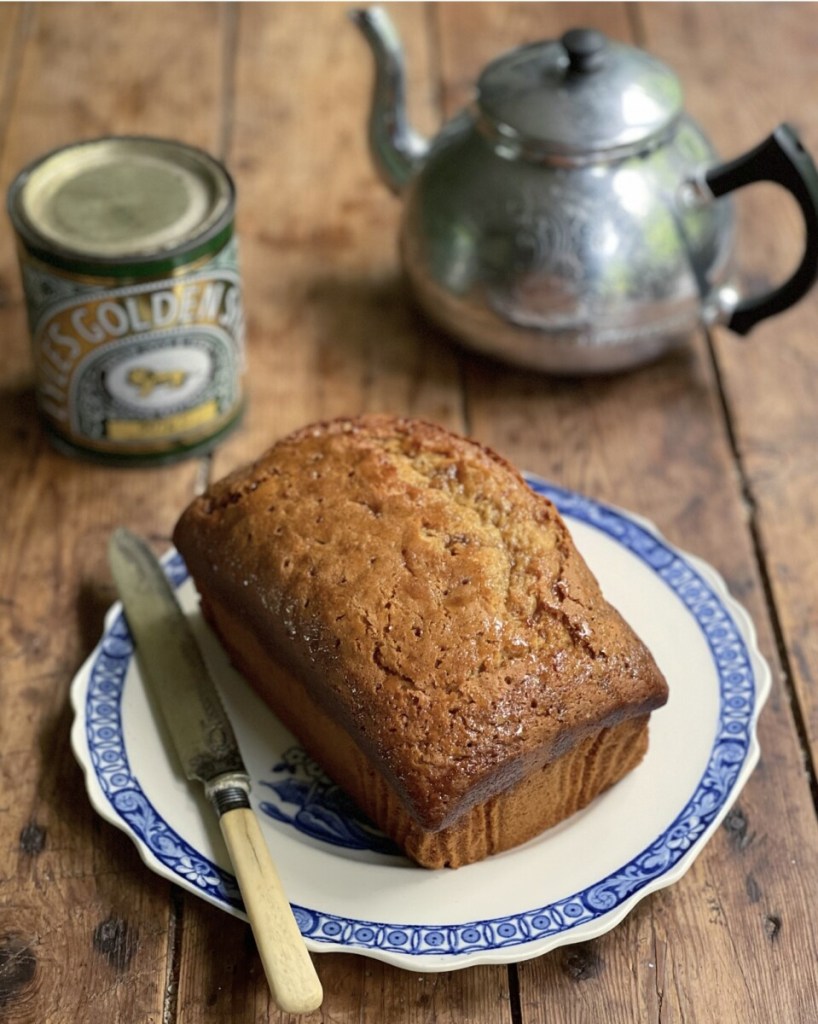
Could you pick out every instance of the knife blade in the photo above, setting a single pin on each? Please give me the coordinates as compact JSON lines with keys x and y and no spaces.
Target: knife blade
{"x":177,"y":675}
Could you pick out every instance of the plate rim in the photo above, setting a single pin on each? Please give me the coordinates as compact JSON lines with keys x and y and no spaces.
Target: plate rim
{"x":520,"y":935}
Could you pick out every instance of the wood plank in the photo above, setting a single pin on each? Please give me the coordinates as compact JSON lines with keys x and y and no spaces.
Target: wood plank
{"x":775,"y":427}
{"x":329,"y":333}
{"x":231,"y":988}
{"x":86,"y":923}
{"x":329,"y":330}
{"x":13,"y":26}
{"x":717,"y":946}
{"x":736,"y":90}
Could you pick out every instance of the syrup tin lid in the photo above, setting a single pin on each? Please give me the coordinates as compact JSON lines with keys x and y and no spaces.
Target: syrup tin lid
{"x":122,"y":204}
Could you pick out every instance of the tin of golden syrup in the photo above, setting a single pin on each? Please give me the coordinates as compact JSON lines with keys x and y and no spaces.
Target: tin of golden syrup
{"x":130,"y":271}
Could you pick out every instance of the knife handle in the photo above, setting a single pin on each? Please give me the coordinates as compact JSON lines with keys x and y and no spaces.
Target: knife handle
{"x":290,"y":972}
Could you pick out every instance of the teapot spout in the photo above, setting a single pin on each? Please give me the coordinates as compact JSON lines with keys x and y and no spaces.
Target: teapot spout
{"x":396,"y":149}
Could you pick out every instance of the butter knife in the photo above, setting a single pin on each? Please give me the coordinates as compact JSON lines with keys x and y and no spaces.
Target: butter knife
{"x":174,"y":670}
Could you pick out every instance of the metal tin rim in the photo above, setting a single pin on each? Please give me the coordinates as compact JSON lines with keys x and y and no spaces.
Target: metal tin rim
{"x":54,"y":253}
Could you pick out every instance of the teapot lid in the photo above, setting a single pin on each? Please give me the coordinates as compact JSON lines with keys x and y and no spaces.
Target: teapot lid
{"x":579,"y":97}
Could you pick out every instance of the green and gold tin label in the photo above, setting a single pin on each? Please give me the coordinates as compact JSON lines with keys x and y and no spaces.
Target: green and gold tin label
{"x":138,"y":369}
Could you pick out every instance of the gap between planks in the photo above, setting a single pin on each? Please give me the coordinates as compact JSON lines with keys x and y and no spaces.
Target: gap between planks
{"x":764,"y":572}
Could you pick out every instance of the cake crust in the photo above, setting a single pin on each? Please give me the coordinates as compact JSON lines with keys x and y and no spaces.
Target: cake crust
{"x":430,"y":603}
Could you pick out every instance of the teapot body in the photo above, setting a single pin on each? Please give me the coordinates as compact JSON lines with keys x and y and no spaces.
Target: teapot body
{"x":574,"y":219}
{"x":569,"y":269}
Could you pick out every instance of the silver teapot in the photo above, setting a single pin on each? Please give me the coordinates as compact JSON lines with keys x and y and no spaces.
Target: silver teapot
{"x":567,"y":221}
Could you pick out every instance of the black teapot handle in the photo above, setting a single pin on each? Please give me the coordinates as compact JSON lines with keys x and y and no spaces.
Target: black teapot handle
{"x":780,"y":158}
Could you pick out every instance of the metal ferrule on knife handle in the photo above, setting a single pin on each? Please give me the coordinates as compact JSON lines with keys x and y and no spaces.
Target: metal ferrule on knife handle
{"x":228,"y":792}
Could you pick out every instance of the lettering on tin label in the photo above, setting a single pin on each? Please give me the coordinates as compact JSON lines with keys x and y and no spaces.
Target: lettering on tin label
{"x":93,"y":334}
{"x":211,"y":301}
{"x":135,"y":315}
{"x":55,"y":337}
{"x":164,"y":306}
{"x":233,"y":317}
{"x":160,"y":371}
{"x":113,"y":319}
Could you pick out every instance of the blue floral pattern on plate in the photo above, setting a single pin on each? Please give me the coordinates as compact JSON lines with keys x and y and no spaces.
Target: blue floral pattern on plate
{"x":305,"y":800}
{"x":314,"y":805}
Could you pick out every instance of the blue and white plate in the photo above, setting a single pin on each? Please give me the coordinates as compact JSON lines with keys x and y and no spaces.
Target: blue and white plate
{"x":351,"y":890}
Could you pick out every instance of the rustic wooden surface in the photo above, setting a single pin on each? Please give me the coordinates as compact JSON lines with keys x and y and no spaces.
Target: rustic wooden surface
{"x":715,"y":443}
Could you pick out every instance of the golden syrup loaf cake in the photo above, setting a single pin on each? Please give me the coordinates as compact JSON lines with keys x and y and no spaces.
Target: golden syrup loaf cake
{"x":421,"y":620}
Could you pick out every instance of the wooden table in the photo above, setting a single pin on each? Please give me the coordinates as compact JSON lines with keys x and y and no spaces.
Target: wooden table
{"x":715,"y":443}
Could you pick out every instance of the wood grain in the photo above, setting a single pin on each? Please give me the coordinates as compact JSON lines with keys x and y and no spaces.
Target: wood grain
{"x":329,"y":331}
{"x":656,"y":441}
{"x":715,"y":443}
{"x":85,"y":929}
{"x":776,"y":427}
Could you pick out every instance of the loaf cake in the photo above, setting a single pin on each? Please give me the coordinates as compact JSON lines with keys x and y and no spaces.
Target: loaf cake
{"x":421,"y":620}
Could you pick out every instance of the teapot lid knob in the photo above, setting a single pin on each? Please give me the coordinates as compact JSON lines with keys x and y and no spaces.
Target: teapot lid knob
{"x":586,"y":49}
